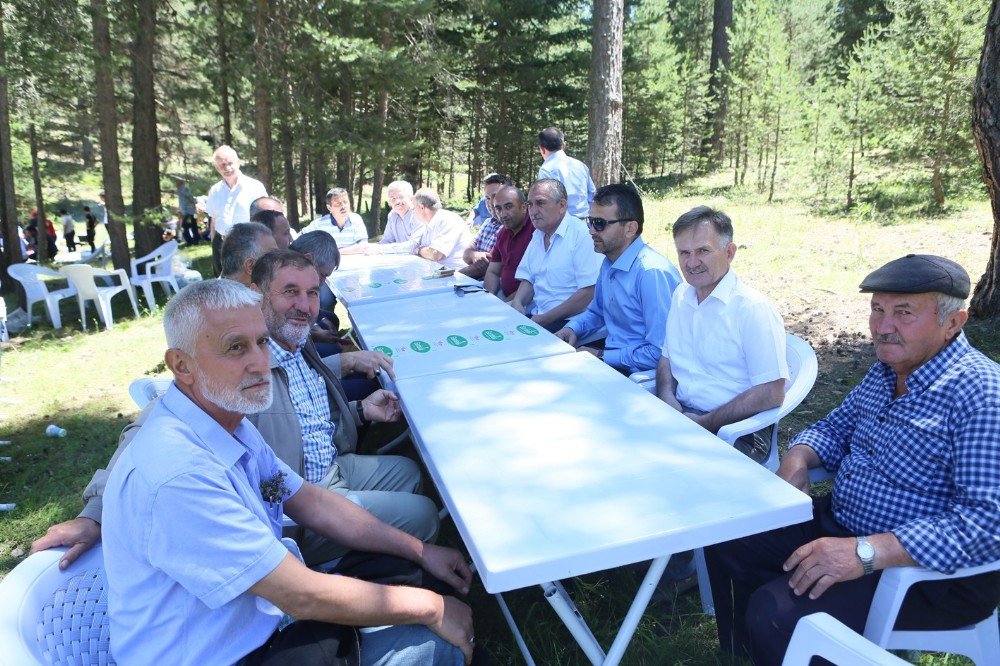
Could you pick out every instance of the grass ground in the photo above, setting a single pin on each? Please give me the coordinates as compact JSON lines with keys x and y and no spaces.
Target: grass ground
{"x":808,"y":264}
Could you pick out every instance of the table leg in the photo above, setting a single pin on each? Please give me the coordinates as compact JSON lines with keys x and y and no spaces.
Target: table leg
{"x":636,"y":610}
{"x":513,"y":627}
{"x":564,"y":607}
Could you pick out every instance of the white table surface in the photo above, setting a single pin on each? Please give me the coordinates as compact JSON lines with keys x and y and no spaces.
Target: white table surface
{"x":364,"y":279}
{"x":444,"y":332}
{"x":556,"y":467}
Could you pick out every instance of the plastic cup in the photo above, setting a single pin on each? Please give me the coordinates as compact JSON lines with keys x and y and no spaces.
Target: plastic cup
{"x":55,"y":431}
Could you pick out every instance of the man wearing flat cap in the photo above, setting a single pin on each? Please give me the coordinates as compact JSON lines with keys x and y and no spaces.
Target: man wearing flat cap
{"x":915,"y":454}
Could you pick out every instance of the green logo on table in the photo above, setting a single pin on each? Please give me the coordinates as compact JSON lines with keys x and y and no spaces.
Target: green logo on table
{"x":457,"y":341}
{"x":420,"y":346}
{"x":375,"y":285}
{"x":384,"y":350}
{"x":527,"y":330}
{"x":400,"y":281}
{"x":490,"y":334}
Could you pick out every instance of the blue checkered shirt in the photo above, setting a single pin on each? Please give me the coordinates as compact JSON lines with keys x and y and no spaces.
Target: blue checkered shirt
{"x":312,"y":405}
{"x":487,"y":236}
{"x":926,"y":465}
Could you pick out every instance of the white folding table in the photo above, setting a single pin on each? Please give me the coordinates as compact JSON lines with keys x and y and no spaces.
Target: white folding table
{"x":574,"y":470}
{"x":447,"y":331}
{"x":363,"y":279}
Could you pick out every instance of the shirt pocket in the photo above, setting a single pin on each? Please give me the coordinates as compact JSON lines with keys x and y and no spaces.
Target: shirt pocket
{"x":913,"y":452}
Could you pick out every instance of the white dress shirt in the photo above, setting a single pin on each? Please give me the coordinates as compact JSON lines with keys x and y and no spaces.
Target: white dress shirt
{"x":570,"y":264}
{"x":230,"y":206}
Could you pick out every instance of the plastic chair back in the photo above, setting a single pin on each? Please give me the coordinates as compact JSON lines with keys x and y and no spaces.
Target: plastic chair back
{"x":29,"y":277}
{"x":146,"y":389}
{"x":822,"y":635}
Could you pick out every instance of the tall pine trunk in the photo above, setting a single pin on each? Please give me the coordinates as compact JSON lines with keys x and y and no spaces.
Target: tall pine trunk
{"x":145,"y":156}
{"x":107,"y":122}
{"x":722,"y":20}
{"x":8,"y":203}
{"x":604,"y":145}
{"x":262,"y":95}
{"x":222,"y":41}
{"x":42,"y":248}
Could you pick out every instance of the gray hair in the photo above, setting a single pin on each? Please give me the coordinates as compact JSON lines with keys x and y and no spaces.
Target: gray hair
{"x":224,"y":150}
{"x":402,"y":187}
{"x":720,"y":222}
{"x":184,"y":315}
{"x":242,"y":243}
{"x":336,"y":192}
{"x":321,"y":245}
{"x":426,"y":196}
{"x":555,"y":188}
{"x":948,"y":305}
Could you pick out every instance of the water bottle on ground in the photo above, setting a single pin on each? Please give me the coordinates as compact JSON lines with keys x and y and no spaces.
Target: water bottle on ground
{"x":55,"y":431}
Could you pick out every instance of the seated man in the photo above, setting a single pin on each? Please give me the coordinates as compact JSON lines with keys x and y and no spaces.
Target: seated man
{"x":266,"y":203}
{"x":196,"y":572}
{"x":278,"y":224}
{"x":241,"y":249}
{"x":915,"y":449}
{"x":401,"y":225}
{"x":559,"y":267}
{"x":724,"y":355}
{"x":347,"y":228}
{"x":510,"y":206}
{"x":444,"y":236}
{"x":477,"y":253}
{"x":322,"y":250}
{"x":634,"y":288}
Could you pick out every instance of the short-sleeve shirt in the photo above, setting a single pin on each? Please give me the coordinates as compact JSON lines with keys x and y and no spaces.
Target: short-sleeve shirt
{"x":575,"y":177}
{"x":69,"y":224}
{"x":229,"y":206}
{"x":730,"y":342}
{"x":354,"y":230}
{"x":487,"y":236}
{"x":570,"y":264}
{"x":401,"y":229}
{"x":508,"y":251}
{"x":446,"y":233}
{"x":186,"y":533}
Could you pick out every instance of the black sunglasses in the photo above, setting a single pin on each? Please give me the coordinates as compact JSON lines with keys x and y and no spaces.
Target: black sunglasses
{"x":599,"y":224}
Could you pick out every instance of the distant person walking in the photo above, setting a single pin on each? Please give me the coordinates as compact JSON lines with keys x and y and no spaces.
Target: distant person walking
{"x":69,"y":229}
{"x":91,"y":223}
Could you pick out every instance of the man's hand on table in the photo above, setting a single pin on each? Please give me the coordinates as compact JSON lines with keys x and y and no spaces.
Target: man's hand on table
{"x":381,"y":406}
{"x":455,"y":626}
{"x":590,"y":350}
{"x":373,"y":248}
{"x":79,"y":534}
{"x":819,"y":564}
{"x":368,"y":362}
{"x":567,"y":335}
{"x":517,"y":305}
{"x":448,"y":565}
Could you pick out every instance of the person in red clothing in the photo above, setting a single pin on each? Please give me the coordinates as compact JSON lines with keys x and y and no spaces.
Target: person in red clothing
{"x":510,"y":206}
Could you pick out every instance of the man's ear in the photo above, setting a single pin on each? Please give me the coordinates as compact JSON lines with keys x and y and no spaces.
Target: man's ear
{"x":954,"y":323}
{"x":181,"y":365}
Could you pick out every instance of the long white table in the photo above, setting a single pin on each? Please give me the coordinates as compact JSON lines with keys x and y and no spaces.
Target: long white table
{"x":364,"y":279}
{"x":448,"y":331}
{"x":572,"y":469}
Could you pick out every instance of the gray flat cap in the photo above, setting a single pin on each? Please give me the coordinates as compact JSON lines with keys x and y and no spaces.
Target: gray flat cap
{"x":918,"y":274}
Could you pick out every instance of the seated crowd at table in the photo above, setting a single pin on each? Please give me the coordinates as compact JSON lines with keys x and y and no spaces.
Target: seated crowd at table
{"x":260,"y":422}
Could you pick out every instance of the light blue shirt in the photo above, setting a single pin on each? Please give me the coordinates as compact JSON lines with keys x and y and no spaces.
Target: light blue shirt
{"x":632,"y":298}
{"x":186,"y":534}
{"x":354,"y":230}
{"x":575,"y":177}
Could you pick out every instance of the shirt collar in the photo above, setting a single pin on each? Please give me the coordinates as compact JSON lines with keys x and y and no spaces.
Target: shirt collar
{"x":227,"y":447}
{"x":723,"y":291}
{"x":554,"y":155}
{"x":628,"y":257}
{"x":926,"y":374}
{"x":281,"y":357}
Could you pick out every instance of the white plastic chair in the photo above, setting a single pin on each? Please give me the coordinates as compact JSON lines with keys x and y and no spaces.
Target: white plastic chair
{"x":52,"y":616}
{"x":822,"y":635}
{"x":82,"y":277}
{"x":158,"y":268}
{"x":98,"y":257}
{"x":37,"y":290}
{"x":145,"y":389}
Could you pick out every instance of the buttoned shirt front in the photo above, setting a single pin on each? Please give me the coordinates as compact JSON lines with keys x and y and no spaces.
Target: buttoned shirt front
{"x":575,"y":177}
{"x":228,"y":206}
{"x":487,"y":236}
{"x":312,"y":406}
{"x":925,"y":465}
{"x":354,"y":230}
{"x":719,"y":348}
{"x":447,"y":234}
{"x":399,"y":229}
{"x":186,"y":534}
{"x":632,"y":299}
{"x":569,"y":264}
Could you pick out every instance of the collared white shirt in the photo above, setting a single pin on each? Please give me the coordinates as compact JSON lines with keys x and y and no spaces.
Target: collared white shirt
{"x":229,"y":206}
{"x":570,"y":264}
{"x":728,"y":343}
{"x":446,"y":232}
{"x":575,"y":177}
{"x":354,"y":230}
{"x":401,"y":229}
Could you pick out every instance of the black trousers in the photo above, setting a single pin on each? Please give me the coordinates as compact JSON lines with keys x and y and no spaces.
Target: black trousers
{"x":70,"y":238}
{"x":756,"y":611}
{"x":189,"y":229}
{"x":217,"y":254}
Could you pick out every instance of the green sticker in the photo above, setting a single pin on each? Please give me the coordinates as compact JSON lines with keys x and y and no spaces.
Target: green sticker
{"x":457,"y":341}
{"x":420,"y":346}
{"x":490,"y":334}
{"x":384,"y":350}
{"x":527,"y":330}
{"x":375,"y":285}
{"x":400,"y":281}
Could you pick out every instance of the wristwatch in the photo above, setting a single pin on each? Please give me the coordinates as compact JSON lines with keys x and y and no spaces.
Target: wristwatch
{"x":361,"y":412}
{"x":866,"y":553}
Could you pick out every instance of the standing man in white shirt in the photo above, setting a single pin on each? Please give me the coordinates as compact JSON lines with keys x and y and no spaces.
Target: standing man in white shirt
{"x":572,"y":173}
{"x":346,"y":227}
{"x":559,"y":269}
{"x":229,"y":200}
{"x":724,"y":354}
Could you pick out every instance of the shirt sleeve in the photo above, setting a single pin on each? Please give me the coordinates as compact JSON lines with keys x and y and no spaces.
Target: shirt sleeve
{"x":210,"y":203}
{"x":764,"y":343}
{"x":656,"y":287}
{"x":446,"y":241}
{"x":359,"y":229}
{"x":968,"y":533}
{"x":830,"y":437}
{"x":204,"y":537}
{"x":523,"y":271}
{"x":591,"y":319}
{"x":586,"y":263}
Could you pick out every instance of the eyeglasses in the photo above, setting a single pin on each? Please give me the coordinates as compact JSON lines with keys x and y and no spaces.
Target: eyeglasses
{"x":599,"y":224}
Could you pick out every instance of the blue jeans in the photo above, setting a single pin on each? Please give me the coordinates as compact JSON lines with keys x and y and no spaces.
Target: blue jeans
{"x":406,"y":645}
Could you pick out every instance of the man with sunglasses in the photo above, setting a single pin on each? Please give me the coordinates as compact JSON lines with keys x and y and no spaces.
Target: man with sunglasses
{"x":633,"y":291}
{"x":559,"y":267}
